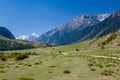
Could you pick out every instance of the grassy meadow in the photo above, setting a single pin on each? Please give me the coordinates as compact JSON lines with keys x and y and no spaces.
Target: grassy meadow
{"x":70,"y":62}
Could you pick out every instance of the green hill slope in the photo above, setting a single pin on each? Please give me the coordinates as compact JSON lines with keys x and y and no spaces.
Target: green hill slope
{"x":9,"y":44}
{"x":6,"y":33}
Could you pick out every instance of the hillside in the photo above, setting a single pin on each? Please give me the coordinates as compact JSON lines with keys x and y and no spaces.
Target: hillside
{"x":6,"y":33}
{"x":9,"y":44}
{"x":109,"y":41}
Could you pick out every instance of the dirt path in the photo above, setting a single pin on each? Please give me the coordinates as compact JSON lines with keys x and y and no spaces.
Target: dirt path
{"x":42,"y":50}
{"x":105,"y":57}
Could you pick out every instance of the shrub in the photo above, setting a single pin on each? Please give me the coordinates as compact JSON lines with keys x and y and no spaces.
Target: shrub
{"x":90,"y":64}
{"x":107,"y":72}
{"x":2,"y":71}
{"x":110,"y":64}
{"x":25,"y":78}
{"x":21,"y":56}
{"x":50,"y":72}
{"x":16,"y":66}
{"x":3,"y":58}
{"x":52,"y":66}
{"x":66,"y":71}
{"x":34,"y":53}
{"x":77,"y":49}
{"x":92,"y":69}
{"x":99,"y":65}
{"x":36,"y":63}
{"x":29,"y":65}
{"x":4,"y":79}
{"x":102,"y":47}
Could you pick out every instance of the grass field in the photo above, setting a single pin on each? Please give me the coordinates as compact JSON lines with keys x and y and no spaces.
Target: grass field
{"x":71,"y":62}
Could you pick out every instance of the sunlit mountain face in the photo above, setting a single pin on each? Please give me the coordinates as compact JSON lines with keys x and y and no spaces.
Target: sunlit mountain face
{"x":73,"y":30}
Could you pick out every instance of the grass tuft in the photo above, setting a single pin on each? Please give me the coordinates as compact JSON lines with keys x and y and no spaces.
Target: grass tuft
{"x":66,"y":71}
{"x":107,"y":72}
{"x":25,"y":78}
{"x":21,"y":56}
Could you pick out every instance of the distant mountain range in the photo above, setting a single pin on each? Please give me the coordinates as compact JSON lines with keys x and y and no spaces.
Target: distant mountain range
{"x":77,"y":29}
{"x":32,"y":37}
{"x":81,"y":22}
{"x":83,"y":27}
{"x":8,"y":42}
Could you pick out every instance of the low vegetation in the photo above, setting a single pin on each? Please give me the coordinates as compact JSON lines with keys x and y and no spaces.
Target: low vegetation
{"x":21,"y":56}
{"x":107,"y":72}
{"x":66,"y":71}
{"x":25,"y":78}
{"x":92,"y":69}
{"x":16,"y":56}
{"x":71,"y":62}
{"x":8,"y":44}
{"x":112,"y":37}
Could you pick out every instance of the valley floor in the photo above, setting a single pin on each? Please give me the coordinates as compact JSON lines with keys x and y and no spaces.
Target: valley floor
{"x":62,"y":63}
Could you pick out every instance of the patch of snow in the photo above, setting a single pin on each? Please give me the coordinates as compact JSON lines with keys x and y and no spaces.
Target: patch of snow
{"x":32,"y":37}
{"x":102,"y":17}
{"x":35,"y":35}
{"x":22,"y":37}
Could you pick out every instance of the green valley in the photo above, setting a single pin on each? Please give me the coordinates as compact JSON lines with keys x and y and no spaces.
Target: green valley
{"x":79,"y":61}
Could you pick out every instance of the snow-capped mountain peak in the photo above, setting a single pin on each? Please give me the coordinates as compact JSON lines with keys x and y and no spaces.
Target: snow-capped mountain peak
{"x":80,"y":21}
{"x":22,"y":37}
{"x":35,"y":35}
{"x":32,"y":37}
{"x":73,"y":26}
{"x":102,"y":17}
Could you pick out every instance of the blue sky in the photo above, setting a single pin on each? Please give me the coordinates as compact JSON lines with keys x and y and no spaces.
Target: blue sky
{"x":23,"y":17}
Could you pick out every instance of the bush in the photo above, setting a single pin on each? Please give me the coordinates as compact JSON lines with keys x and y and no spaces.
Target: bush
{"x":21,"y":56}
{"x":24,"y":78}
{"x":92,"y":69}
{"x":99,"y":65}
{"x":34,"y":53}
{"x":107,"y":72}
{"x":66,"y":71}
{"x":2,"y":71}
{"x":52,"y":66}
{"x":4,"y":79}
{"x":90,"y":64}
{"x":110,"y":64}
{"x":102,"y":47}
{"x":29,"y":65}
{"x":36,"y":63}
{"x":3,"y":58}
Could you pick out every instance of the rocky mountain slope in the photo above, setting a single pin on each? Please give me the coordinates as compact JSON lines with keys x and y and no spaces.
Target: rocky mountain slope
{"x":109,"y":25}
{"x":72,"y":31}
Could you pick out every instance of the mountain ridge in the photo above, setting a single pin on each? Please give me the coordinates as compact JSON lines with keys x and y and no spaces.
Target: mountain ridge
{"x":6,"y":33}
{"x":13,"y":44}
{"x":68,"y":30}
